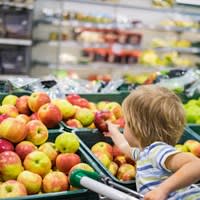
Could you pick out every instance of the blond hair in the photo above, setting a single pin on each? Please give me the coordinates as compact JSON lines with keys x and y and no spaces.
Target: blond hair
{"x":154,"y":114}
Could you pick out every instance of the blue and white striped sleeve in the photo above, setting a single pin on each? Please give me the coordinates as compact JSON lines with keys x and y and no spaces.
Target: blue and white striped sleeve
{"x":135,"y":153}
{"x":159,"y":152}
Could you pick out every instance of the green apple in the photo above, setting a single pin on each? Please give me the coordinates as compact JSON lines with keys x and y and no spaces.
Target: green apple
{"x":67,"y":143}
{"x":182,"y":148}
{"x":85,"y":116}
{"x":10,"y":100}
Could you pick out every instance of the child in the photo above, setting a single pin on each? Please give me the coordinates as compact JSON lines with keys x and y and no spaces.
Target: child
{"x":154,"y":123}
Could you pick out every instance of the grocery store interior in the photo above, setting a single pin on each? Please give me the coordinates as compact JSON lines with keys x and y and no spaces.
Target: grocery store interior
{"x":67,"y":66}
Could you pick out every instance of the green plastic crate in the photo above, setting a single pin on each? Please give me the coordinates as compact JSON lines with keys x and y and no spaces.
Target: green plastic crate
{"x":195,"y":128}
{"x":80,"y":194}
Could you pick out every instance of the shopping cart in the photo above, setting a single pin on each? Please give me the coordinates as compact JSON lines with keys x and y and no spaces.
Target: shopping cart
{"x":104,"y":186}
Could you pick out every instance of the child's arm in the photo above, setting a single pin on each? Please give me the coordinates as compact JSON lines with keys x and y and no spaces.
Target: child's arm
{"x":119,"y":139}
{"x":186,"y":167}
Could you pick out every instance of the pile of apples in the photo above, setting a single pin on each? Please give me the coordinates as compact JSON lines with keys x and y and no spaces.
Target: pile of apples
{"x":192,"y":146}
{"x":27,"y":168}
{"x":115,"y":161}
{"x":192,"y":109}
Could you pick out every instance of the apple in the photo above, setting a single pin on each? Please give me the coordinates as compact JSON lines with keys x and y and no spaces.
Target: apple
{"x":67,"y":109}
{"x":104,"y":148}
{"x":10,"y":165}
{"x":130,"y":161}
{"x":91,"y":126}
{"x":181,"y":148}
{"x":34,"y":116}
{"x":31,"y":181}
{"x":5,"y":145}
{"x":24,"y":148}
{"x":37,"y":99}
{"x":74,"y":123}
{"x":103,"y":157}
{"x":120,"y":121}
{"x":9,"y":100}
{"x":85,"y":116}
{"x":3,"y":116}
{"x":115,"y":108}
{"x":112,"y":168}
{"x":81,"y":102}
{"x":37,"y":132}
{"x":9,"y":110}
{"x":67,"y":143}
{"x":116,"y":151}
{"x":22,"y":105}
{"x":23,"y":118}
{"x":13,"y":130}
{"x":193,"y":146}
{"x":65,"y":161}
{"x":72,"y":97}
{"x":50,"y":115}
{"x":102,"y":105}
{"x":50,"y":150}
{"x":126,"y":172}
{"x":11,"y":189}
{"x":55,"y":182}
{"x":92,"y":106}
{"x":100,"y":120}
{"x":120,"y":160}
{"x":72,"y":188}
{"x":37,"y":162}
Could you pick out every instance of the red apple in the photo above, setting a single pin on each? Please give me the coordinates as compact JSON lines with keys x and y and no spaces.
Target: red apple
{"x":104,"y":148}
{"x":3,"y":116}
{"x":50,"y":115}
{"x":22,"y":105}
{"x":24,"y":148}
{"x":85,"y":116}
{"x":34,"y":116}
{"x":31,"y":181}
{"x":37,"y":132}
{"x":23,"y":118}
{"x":115,"y":108}
{"x":120,"y":121}
{"x":55,"y":182}
{"x":10,"y":165}
{"x":116,"y":151}
{"x":81,"y":102}
{"x":50,"y":150}
{"x":11,"y":189}
{"x":65,"y":161}
{"x":13,"y":130}
{"x":126,"y":172}
{"x":74,"y":123}
{"x":5,"y":145}
{"x":37,"y":162}
{"x":72,"y":97}
{"x":37,"y":99}
{"x":9,"y":110}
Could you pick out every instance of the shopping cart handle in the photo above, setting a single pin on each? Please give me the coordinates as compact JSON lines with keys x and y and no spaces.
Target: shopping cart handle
{"x":78,"y":174}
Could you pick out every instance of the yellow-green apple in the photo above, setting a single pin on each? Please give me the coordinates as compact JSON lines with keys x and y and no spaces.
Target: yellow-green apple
{"x":91,"y":126}
{"x":67,"y":143}
{"x":126,"y":172}
{"x":3,"y":116}
{"x":50,"y":115}
{"x":112,"y":168}
{"x":11,"y":189}
{"x":67,"y":109}
{"x":92,"y":106}
{"x":72,"y":97}
{"x":9,"y":100}
{"x":37,"y":132}
{"x":120,"y":160}
{"x":37,"y":162}
{"x":85,"y":116}
{"x":181,"y":148}
{"x":115,"y":108}
{"x":74,"y":123}
{"x":116,"y":151}
{"x":65,"y":161}
{"x":100,"y":119}
{"x":5,"y":145}
{"x":193,"y":146}
{"x":9,"y":110}
{"x":104,"y":148}
{"x":50,"y":150}
{"x":37,"y":99}
{"x":31,"y":181}
{"x":102,"y":105}
{"x":55,"y":182}
{"x":24,"y":148}
{"x":23,"y":118}
{"x":13,"y":130}
{"x":103,"y":157}
{"x":120,"y":121}
{"x":10,"y":165}
{"x":22,"y":105}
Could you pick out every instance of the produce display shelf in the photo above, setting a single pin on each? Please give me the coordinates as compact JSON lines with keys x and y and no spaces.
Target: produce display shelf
{"x":17,"y":5}
{"x":195,"y":128}
{"x":15,"y":41}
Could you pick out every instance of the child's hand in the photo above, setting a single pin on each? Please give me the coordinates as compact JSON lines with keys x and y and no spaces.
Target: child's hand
{"x":112,"y":129}
{"x":156,"y":194}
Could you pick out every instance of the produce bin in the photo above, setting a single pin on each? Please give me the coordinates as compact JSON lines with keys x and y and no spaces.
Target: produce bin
{"x":195,"y":128}
{"x":80,"y":194}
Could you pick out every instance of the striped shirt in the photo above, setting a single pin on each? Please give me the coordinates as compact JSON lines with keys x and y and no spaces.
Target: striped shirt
{"x":151,"y":171}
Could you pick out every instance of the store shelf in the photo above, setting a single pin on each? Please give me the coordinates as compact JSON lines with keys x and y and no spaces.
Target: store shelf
{"x":18,"y":42}
{"x":189,"y":50}
{"x":18,"y":5}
